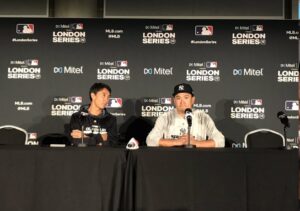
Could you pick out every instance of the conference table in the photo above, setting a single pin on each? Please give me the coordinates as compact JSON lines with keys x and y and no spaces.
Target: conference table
{"x":213,"y":179}
{"x":57,"y":179}
{"x":156,"y":179}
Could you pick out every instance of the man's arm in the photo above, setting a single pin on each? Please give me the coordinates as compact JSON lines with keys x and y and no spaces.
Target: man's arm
{"x":157,"y":132}
{"x":112,"y":131}
{"x":173,"y":142}
{"x":215,"y":137}
{"x":204,"y":144}
{"x":75,"y":130}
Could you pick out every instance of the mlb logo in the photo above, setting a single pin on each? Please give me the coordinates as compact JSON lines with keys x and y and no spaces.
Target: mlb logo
{"x":167,"y":27}
{"x":115,"y":103}
{"x":257,"y":102}
{"x":122,"y":63}
{"x":202,"y":30}
{"x":76,"y":99}
{"x":166,"y":101}
{"x":32,"y":62}
{"x":79,"y":26}
{"x":257,"y":28}
{"x":213,"y":64}
{"x":32,"y":135}
{"x":76,"y":26}
{"x":292,"y":105}
{"x":25,"y":28}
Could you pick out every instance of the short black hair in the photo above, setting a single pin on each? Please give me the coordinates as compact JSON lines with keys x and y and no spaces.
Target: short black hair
{"x":96,"y":87}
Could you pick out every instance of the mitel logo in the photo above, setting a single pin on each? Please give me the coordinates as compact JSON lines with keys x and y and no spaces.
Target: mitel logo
{"x":115,"y":103}
{"x":202,"y":30}
{"x":25,"y":28}
{"x":158,"y":71}
{"x":68,"y":70}
{"x":248,"y":72}
{"x":292,"y":105}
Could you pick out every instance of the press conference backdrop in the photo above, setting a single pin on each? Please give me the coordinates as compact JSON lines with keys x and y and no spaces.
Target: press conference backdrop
{"x":243,"y":71}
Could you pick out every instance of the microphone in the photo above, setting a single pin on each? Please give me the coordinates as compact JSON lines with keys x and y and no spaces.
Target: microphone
{"x":283,"y":118}
{"x":188,"y":116}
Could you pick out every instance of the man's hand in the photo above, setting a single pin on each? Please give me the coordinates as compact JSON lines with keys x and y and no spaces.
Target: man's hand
{"x":77,"y":134}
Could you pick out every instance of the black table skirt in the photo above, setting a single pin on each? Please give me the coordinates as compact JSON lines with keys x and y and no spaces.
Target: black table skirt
{"x":213,"y":180}
{"x":69,"y":179}
{"x":154,"y":179}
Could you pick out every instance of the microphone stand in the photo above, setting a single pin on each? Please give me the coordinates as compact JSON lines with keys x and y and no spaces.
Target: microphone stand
{"x":82,"y":144}
{"x":189,"y":145}
{"x":285,"y":139}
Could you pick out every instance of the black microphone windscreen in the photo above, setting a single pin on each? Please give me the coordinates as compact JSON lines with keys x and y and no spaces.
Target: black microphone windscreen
{"x":188,"y":116}
{"x":283,"y":118}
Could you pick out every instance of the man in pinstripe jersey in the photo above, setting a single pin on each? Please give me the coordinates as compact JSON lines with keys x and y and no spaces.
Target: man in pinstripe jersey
{"x":170,"y":128}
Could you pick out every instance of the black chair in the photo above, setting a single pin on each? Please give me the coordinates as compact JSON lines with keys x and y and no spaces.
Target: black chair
{"x":264,"y":138}
{"x":12,"y":135}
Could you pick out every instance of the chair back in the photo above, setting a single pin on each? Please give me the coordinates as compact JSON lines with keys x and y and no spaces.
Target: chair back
{"x":12,"y":135}
{"x":264,"y":138}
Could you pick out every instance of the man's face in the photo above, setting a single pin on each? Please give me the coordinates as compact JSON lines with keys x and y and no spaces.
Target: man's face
{"x":101,"y":98}
{"x":183,"y":101}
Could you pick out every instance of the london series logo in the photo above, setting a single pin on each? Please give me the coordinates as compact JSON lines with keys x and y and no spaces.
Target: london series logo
{"x":65,"y":106}
{"x":24,"y":69}
{"x":203,"y":71}
{"x":69,"y":33}
{"x":247,"y":109}
{"x":249,"y":35}
{"x":159,"y":34}
{"x":113,"y":70}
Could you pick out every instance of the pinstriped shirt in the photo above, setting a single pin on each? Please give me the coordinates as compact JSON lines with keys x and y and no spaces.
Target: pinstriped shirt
{"x":170,"y":126}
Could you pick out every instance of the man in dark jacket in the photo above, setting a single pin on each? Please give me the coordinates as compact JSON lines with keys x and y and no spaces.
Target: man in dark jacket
{"x":93,"y":122}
